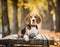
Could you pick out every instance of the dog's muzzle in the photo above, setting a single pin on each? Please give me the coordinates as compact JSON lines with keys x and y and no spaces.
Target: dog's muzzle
{"x":33,"y":20}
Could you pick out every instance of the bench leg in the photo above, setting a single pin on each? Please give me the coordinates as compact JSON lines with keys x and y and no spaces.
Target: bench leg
{"x":45,"y":44}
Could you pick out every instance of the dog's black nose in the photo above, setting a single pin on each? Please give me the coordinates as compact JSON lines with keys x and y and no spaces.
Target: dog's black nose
{"x":33,"y":20}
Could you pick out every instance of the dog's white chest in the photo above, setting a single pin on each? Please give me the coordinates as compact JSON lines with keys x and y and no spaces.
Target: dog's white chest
{"x":33,"y":30}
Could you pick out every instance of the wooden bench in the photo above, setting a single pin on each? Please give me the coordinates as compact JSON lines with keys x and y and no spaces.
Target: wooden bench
{"x":12,"y":40}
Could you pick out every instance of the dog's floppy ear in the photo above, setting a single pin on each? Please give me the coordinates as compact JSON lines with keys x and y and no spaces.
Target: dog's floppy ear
{"x":27,"y":19}
{"x":38,"y":19}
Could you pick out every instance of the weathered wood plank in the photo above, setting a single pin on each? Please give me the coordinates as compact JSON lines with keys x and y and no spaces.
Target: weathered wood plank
{"x":45,"y":44}
{"x":13,"y":39}
{"x":50,"y":40}
{"x":26,"y":45}
{"x":13,"y":36}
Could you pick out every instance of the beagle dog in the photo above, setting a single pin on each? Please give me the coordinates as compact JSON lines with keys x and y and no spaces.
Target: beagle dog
{"x":33,"y":22}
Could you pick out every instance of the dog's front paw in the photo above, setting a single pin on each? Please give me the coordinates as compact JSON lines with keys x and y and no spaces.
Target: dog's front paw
{"x":38,"y":37}
{"x":26,"y":38}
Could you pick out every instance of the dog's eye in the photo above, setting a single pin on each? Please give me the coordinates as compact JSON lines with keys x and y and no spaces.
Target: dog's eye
{"x":30,"y":16}
{"x":35,"y":16}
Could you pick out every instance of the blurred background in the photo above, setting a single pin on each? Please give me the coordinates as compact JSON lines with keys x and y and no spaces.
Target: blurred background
{"x":13,"y":12}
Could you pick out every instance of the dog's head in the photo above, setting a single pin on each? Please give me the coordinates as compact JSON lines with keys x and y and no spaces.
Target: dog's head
{"x":32,"y":19}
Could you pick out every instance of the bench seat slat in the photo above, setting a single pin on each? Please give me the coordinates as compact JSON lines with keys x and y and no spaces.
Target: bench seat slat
{"x":13,"y":39}
{"x":45,"y":42}
{"x":50,"y":40}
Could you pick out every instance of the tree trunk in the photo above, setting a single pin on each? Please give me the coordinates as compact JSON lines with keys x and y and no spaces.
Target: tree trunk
{"x":48,"y":21}
{"x":15,"y":20}
{"x":50,"y":16}
{"x":57,"y":11}
{"x":24,"y":12}
{"x":5,"y":20}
